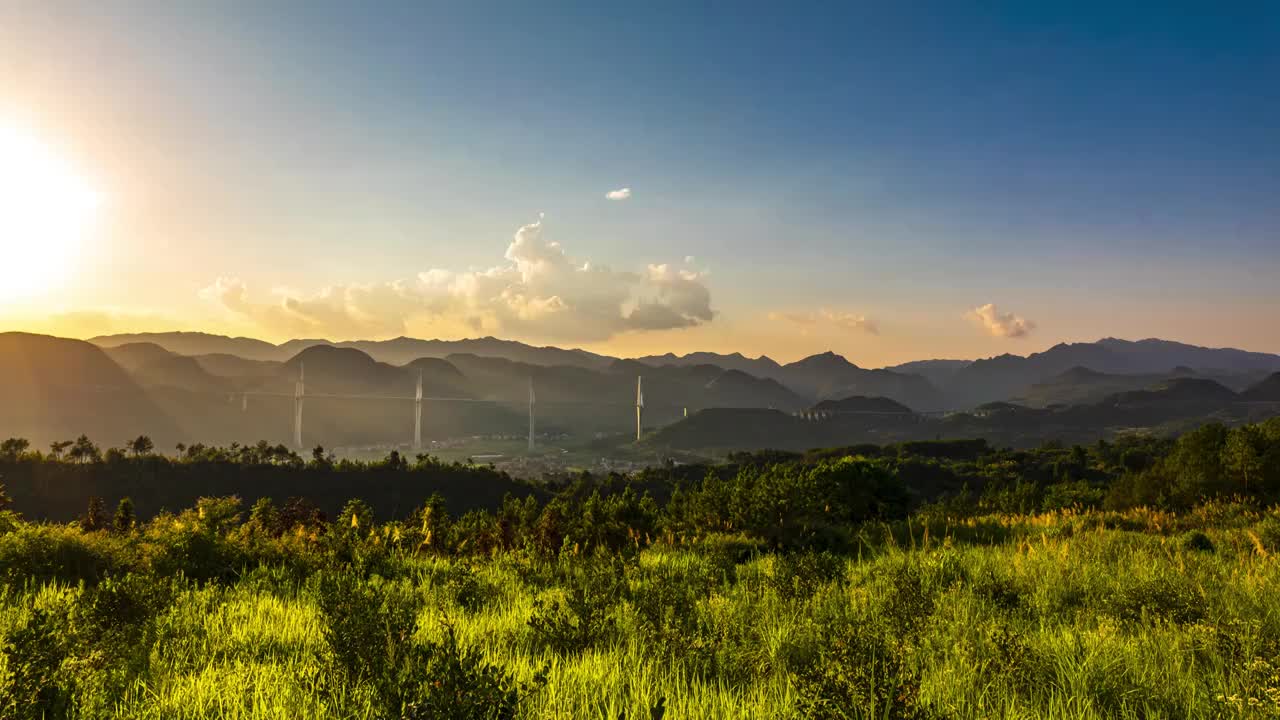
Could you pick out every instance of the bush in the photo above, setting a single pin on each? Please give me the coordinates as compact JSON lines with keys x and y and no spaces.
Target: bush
{"x":1160,"y":599}
{"x":37,"y":688}
{"x":857,"y":675}
{"x":799,"y":575}
{"x":58,"y":552}
{"x":457,"y":684}
{"x":579,"y":618}
{"x":1196,"y":540}
{"x":369,"y":632}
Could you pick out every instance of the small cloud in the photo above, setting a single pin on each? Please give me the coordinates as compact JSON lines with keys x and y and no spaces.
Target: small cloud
{"x":619,"y":194}
{"x":998,"y":324}
{"x":689,"y":259}
{"x":834,"y":318}
{"x":851,"y":321}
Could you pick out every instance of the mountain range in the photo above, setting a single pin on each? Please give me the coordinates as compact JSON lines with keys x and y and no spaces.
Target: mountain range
{"x":195,"y":386}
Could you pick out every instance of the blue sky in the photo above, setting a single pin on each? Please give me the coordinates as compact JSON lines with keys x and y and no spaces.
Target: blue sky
{"x":1094,"y":168}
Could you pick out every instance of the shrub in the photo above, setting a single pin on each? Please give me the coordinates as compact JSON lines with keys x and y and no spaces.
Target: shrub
{"x":457,"y":684}
{"x":369,"y":632}
{"x":59,"y":552}
{"x":799,"y":575}
{"x":37,"y":688}
{"x":579,"y":618}
{"x":857,"y":675}
{"x":1160,"y":599}
{"x":1197,"y":541}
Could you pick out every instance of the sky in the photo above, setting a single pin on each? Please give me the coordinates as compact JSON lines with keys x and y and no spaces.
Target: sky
{"x":888,"y":182}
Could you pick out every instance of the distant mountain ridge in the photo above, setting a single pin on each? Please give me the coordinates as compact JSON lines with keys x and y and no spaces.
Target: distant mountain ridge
{"x":921,"y":385}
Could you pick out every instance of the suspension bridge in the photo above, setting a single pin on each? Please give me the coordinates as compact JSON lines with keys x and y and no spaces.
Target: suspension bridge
{"x":300,"y":395}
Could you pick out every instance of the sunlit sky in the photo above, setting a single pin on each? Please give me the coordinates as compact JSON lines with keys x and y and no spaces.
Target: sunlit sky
{"x":887,"y":182}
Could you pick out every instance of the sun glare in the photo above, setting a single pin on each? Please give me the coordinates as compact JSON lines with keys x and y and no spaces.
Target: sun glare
{"x":46,"y":210}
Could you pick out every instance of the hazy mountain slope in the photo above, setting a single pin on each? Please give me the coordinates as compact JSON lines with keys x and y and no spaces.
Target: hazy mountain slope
{"x":828,"y":375}
{"x":234,"y":366}
{"x":398,"y":351}
{"x":938,"y":372}
{"x":1081,"y":386}
{"x":55,"y":388}
{"x":131,"y":356}
{"x":1266,"y":391}
{"x":863,"y":404}
{"x":1007,"y":376}
{"x":179,"y":371}
{"x":403,"y":350}
{"x":196,"y":343}
{"x":761,"y":367}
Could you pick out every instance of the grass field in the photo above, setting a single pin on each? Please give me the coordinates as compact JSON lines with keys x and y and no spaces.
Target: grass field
{"x":1089,"y":615}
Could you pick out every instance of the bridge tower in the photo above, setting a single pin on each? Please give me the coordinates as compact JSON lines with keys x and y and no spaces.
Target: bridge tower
{"x":532,"y":401}
{"x":298,"y":393}
{"x":639,"y":406}
{"x":417,"y":415}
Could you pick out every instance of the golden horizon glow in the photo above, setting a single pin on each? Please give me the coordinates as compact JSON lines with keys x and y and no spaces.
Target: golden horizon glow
{"x":47,"y":209}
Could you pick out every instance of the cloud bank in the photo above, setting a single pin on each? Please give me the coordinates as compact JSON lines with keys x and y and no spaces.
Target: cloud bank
{"x":619,"y":194}
{"x":998,"y":324}
{"x":834,"y":318}
{"x":539,"y":292}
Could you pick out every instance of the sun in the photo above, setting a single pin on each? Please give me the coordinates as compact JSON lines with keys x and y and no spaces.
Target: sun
{"x":46,"y":211}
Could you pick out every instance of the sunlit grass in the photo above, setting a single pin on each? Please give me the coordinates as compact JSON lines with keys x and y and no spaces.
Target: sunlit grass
{"x":1067,"y":615}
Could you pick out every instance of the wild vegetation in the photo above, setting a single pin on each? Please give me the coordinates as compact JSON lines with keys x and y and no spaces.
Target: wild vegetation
{"x":923,"y":580}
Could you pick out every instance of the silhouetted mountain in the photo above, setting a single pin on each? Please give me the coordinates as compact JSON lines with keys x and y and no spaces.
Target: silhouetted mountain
{"x":398,"y":351}
{"x":863,"y":404}
{"x":761,"y":367}
{"x":131,"y":356}
{"x":179,"y":371}
{"x":233,"y":366}
{"x":829,"y":375}
{"x":1266,"y":391}
{"x":1007,"y":376}
{"x":333,"y":370}
{"x":938,"y":372}
{"x":55,"y":389}
{"x":196,"y":343}
{"x":1081,"y":386}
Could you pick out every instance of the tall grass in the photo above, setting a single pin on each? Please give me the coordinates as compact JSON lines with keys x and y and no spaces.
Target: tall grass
{"x":1065,"y":615}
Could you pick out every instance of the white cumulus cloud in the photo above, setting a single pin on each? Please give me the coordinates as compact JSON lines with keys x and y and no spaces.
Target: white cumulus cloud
{"x":619,"y":194}
{"x":539,"y":292}
{"x":998,"y":324}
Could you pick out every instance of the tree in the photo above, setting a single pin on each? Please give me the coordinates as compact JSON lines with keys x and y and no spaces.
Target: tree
{"x":1242,"y":454}
{"x":141,"y":445}
{"x":11,"y":450}
{"x":57,"y":447}
{"x":124,"y":520}
{"x":319,"y":458}
{"x":83,"y":450}
{"x":95,"y":517}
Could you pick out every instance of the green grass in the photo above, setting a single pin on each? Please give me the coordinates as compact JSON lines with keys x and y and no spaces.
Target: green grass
{"x":1067,"y":616}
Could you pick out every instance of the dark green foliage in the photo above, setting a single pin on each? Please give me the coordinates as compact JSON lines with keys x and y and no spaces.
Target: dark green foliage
{"x":41,"y":554}
{"x":95,"y":517}
{"x":1196,"y":540}
{"x":800,"y":575}
{"x":581,"y":617}
{"x":458,"y":684}
{"x":859,"y":674}
{"x":12,"y":449}
{"x":35,"y":652}
{"x":124,"y":519}
{"x":369,"y":629}
{"x":1160,"y":599}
